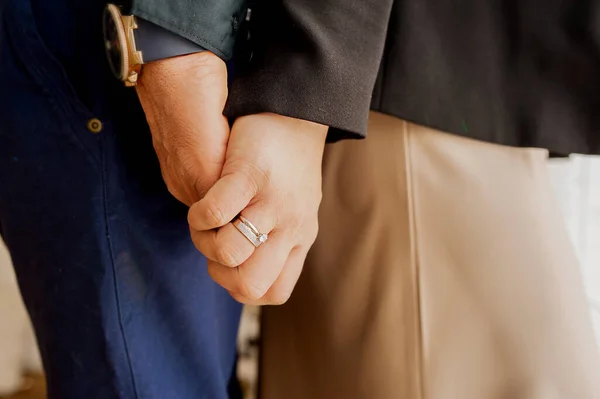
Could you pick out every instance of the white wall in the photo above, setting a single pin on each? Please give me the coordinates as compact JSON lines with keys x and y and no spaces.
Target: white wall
{"x":577,"y":184}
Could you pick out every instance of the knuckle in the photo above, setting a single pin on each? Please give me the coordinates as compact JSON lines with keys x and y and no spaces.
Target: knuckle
{"x":201,"y":187}
{"x":214,"y":215}
{"x":295,"y":224}
{"x":215,"y":274}
{"x":251,"y":290}
{"x":175,"y":192}
{"x":227,"y":255}
{"x":314,"y":232}
{"x":192,"y":218}
{"x":248,"y":186}
{"x":171,"y":186}
{"x":254,"y":176}
{"x":278,"y":297}
{"x":197,"y":240}
{"x":239,"y":298}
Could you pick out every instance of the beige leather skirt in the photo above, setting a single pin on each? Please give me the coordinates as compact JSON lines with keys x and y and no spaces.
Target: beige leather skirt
{"x":442,"y":270}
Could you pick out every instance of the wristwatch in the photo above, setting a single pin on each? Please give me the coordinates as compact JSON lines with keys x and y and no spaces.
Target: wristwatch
{"x":132,"y":42}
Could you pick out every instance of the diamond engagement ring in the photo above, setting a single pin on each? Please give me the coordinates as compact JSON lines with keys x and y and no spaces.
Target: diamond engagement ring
{"x":249,"y":231}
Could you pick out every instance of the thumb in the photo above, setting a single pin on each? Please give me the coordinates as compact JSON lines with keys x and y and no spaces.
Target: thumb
{"x":223,"y":202}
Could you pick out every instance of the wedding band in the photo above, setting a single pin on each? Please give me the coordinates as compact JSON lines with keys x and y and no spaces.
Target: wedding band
{"x":250,"y":231}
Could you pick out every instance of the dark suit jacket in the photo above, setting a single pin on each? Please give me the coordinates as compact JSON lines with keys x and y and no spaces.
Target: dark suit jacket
{"x":515,"y":72}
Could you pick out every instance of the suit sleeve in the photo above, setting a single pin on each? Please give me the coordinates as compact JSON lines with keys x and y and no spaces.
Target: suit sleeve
{"x":212,"y":24}
{"x":313,"y":59}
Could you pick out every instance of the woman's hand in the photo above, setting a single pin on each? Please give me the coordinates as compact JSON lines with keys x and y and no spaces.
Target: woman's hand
{"x":272,"y":176}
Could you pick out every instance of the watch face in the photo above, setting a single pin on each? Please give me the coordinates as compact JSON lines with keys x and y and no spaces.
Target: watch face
{"x":114,"y":41}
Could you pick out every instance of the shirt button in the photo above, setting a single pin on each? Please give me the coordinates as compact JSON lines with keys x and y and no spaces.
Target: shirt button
{"x":94,"y":125}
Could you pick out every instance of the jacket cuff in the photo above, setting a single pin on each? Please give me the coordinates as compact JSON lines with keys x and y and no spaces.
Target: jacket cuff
{"x":286,"y":82}
{"x":212,"y":24}
{"x":253,"y":95}
{"x":302,"y":60}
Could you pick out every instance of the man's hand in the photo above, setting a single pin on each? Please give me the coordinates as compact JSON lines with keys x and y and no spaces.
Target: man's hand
{"x":183,"y":99}
{"x":272,"y":176}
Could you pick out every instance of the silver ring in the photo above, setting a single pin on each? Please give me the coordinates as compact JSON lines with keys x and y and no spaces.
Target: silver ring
{"x":250,"y":231}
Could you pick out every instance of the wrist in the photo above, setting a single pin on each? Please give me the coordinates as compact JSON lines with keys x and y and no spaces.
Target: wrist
{"x":204,"y":67}
{"x":193,"y":85}
{"x":191,"y":66}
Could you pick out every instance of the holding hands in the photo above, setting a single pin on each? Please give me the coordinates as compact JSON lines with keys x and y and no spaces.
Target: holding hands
{"x":266,"y":170}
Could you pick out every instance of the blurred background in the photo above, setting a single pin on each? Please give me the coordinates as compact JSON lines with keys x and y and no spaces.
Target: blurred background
{"x":577,"y":184}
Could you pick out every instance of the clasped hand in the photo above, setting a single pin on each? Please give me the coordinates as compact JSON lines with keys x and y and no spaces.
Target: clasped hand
{"x":266,"y":168}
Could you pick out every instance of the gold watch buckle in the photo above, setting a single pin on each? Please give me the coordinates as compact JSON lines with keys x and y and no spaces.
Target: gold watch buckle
{"x":136,"y":59}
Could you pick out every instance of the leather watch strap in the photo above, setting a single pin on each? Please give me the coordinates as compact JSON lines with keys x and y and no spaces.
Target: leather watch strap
{"x":157,"y":43}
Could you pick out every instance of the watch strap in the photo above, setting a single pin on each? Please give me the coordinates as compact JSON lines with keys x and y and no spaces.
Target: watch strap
{"x":157,"y":43}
